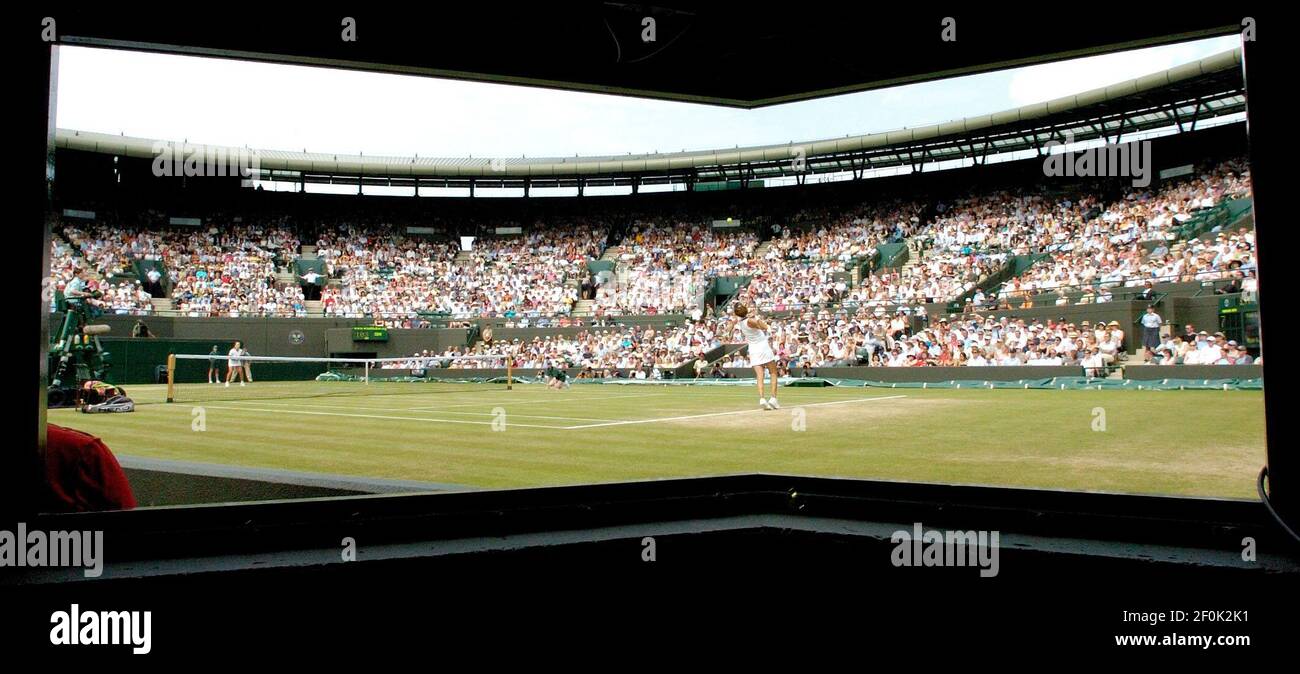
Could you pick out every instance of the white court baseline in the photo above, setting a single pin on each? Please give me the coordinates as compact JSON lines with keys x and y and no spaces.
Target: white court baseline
{"x":306,"y":412}
{"x":723,"y":414}
{"x":390,"y":417}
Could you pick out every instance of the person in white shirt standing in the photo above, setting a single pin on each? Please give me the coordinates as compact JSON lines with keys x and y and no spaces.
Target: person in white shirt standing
{"x":154,"y":288}
{"x":235,"y":364}
{"x":313,"y":284}
{"x":1151,"y":322}
{"x":761,"y":357}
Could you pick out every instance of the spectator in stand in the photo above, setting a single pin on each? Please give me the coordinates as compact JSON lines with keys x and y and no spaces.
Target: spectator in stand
{"x":312,"y":290}
{"x":1167,"y":352}
{"x":666,"y":261}
{"x":1093,"y":364}
{"x":1237,"y":355}
{"x":399,"y":276}
{"x":1151,"y":322}
{"x":217,"y":271}
{"x":154,"y":286}
{"x":1196,"y":352}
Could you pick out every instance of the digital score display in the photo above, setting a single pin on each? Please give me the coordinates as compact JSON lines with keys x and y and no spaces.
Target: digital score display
{"x":369,"y":333}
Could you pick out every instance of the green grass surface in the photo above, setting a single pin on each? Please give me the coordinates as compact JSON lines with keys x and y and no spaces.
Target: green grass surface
{"x":1203,"y":443}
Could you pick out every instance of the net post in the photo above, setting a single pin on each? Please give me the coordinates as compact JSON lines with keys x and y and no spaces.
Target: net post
{"x":171,"y":377}
{"x":366,"y":377}
{"x":510,"y":371}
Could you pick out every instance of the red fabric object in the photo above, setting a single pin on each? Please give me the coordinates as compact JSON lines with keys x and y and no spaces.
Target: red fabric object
{"x":82,"y":474}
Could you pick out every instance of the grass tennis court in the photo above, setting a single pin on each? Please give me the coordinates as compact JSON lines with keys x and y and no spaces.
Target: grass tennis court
{"x":1202,"y":443}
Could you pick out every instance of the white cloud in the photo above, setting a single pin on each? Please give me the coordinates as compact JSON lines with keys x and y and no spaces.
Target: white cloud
{"x":1035,"y":84}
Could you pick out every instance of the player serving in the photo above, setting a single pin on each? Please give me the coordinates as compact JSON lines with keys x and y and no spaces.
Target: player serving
{"x":761,"y":357}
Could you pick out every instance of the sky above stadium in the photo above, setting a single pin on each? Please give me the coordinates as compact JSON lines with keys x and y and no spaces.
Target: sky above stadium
{"x":266,"y":106}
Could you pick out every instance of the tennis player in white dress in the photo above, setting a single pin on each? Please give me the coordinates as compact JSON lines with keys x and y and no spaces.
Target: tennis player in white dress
{"x":761,"y":357}
{"x":235,"y":364}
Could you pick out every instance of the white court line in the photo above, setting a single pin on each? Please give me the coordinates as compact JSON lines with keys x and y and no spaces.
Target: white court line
{"x":516,"y":414}
{"x":374,"y":416}
{"x":409,"y":409}
{"x":723,"y":414}
{"x":535,"y":402}
{"x":496,"y":402}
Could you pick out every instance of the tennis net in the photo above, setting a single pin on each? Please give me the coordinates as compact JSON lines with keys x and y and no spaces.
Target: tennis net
{"x":202,"y":378}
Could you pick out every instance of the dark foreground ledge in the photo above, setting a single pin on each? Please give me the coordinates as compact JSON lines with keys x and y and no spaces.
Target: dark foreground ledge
{"x":785,"y":555}
{"x":1147,"y":531}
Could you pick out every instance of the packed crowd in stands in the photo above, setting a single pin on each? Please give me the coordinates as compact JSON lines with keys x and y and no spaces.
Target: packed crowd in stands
{"x":226,"y":270}
{"x":120,"y":294}
{"x":835,"y":338}
{"x":811,"y":264}
{"x":664,"y":264}
{"x":388,"y":274}
{"x":866,"y":338}
{"x":666,"y":267}
{"x":936,"y":278}
{"x":843,"y":235}
{"x":780,"y":284}
{"x":649,"y":349}
{"x":383,"y":272}
{"x":1095,"y":245}
{"x":818,"y":340}
{"x":232,"y":271}
{"x":1201,"y":348}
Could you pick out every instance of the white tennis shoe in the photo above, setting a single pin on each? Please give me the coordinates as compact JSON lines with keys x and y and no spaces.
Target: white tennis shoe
{"x":762,"y":402}
{"x":773,"y":403}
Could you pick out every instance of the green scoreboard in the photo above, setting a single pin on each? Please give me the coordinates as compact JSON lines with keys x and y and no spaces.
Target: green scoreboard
{"x":1239,"y":320}
{"x":369,"y":333}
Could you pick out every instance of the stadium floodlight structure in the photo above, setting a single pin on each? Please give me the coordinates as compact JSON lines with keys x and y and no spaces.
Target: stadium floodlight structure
{"x":1179,"y":98}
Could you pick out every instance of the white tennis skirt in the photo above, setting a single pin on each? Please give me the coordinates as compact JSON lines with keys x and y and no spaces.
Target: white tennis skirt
{"x":760,"y":354}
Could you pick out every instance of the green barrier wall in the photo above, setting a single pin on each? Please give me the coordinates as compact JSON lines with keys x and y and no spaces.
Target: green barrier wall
{"x":1238,"y":208}
{"x":892,"y":254}
{"x":728,"y":285}
{"x":301,"y":266}
{"x":1192,"y":372}
{"x":866,"y":265}
{"x":136,"y":361}
{"x":1013,"y":267}
{"x":142,"y":267}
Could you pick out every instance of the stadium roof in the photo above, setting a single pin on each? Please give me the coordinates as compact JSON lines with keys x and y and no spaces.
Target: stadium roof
{"x":1206,"y":88}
